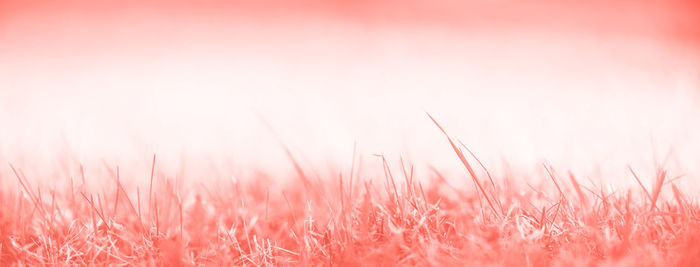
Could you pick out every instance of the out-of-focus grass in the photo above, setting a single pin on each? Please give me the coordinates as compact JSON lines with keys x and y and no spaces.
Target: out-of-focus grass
{"x":398,"y":219}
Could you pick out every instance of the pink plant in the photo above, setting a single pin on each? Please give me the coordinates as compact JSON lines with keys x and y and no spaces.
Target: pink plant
{"x":349,"y":221}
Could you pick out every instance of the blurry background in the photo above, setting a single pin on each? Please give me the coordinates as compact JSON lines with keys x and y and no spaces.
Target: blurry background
{"x":585,"y":85}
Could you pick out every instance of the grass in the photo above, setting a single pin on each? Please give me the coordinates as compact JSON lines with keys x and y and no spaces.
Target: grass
{"x":349,"y":220}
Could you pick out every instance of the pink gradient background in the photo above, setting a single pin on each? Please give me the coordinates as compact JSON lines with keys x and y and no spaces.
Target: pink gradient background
{"x":588,"y":85}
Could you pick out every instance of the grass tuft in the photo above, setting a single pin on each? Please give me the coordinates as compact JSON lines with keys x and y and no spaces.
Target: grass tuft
{"x":349,"y":220}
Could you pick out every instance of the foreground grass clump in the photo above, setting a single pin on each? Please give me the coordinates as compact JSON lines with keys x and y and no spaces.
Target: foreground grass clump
{"x":349,"y":221}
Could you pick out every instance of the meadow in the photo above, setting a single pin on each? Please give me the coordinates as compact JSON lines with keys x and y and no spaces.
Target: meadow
{"x":394,"y":218}
{"x":294,"y":133}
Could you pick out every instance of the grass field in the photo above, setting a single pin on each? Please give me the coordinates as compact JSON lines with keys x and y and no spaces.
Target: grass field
{"x":348,"y":220}
{"x":293,"y":133}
